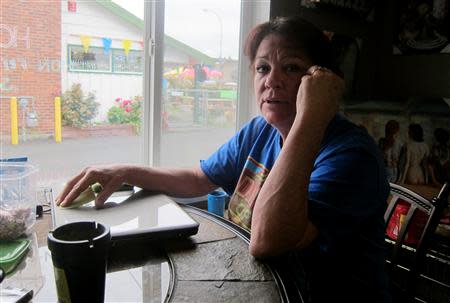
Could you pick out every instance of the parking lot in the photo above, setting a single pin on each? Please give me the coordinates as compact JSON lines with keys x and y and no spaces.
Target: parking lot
{"x":59,"y":161}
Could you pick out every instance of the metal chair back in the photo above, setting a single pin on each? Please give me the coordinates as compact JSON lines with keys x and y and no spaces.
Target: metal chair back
{"x":410,"y":258}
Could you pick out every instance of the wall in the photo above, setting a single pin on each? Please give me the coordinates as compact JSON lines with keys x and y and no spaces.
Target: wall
{"x":29,"y":59}
{"x":91,"y":19}
{"x":375,"y":121}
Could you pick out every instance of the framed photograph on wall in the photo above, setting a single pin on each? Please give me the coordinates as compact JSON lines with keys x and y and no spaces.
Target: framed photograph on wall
{"x":422,"y":27}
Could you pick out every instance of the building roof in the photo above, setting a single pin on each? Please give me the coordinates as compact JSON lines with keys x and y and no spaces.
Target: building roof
{"x":134,"y":20}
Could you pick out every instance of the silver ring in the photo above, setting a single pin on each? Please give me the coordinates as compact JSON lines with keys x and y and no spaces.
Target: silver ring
{"x":320,"y":68}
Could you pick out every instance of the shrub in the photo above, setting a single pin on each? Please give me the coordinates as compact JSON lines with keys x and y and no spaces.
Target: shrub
{"x":77,"y":109}
{"x":126,"y":111}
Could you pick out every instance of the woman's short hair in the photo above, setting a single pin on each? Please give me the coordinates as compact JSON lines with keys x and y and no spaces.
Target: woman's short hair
{"x":416,"y":132}
{"x":297,"y":34}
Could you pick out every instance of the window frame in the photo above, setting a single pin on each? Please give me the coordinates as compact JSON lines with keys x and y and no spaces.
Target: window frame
{"x":152,"y":81}
{"x":69,"y":61}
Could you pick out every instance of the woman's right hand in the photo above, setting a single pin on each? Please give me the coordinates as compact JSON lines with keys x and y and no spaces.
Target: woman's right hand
{"x":111,"y":177}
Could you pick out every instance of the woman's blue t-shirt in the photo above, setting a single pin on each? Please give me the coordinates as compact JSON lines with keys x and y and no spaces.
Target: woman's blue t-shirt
{"x":347,"y":198}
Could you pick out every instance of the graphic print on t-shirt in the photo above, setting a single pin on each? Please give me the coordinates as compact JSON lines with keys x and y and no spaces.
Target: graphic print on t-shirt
{"x":241,"y":204}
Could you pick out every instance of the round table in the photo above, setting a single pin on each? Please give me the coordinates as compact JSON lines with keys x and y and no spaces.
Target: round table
{"x":212,"y":266}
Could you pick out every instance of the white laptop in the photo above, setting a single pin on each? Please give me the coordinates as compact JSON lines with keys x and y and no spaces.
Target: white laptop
{"x":133,"y":215}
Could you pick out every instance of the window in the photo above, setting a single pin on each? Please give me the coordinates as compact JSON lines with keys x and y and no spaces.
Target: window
{"x":131,"y":63}
{"x":94,"y":60}
{"x":119,"y":108}
{"x":100,"y":88}
{"x":193,"y":106}
{"x":202,"y":69}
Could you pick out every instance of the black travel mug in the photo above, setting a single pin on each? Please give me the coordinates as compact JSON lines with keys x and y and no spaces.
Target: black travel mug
{"x":79,"y":254}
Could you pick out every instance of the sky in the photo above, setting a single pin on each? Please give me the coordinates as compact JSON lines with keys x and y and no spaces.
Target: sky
{"x":188,"y":22}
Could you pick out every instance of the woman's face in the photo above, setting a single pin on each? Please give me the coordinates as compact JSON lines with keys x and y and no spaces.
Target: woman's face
{"x":277,"y":75}
{"x":395,"y":135}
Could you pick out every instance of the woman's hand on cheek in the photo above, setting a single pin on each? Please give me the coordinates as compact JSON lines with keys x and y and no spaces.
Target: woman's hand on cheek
{"x":319,"y":94}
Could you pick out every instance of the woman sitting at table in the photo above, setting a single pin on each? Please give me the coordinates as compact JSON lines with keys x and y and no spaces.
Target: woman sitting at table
{"x":304,"y":180}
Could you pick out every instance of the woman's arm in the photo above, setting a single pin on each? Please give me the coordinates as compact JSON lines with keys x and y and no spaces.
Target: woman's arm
{"x":280,"y":216}
{"x":187,"y":182}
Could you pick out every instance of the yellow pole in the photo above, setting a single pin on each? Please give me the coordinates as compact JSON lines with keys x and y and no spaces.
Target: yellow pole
{"x":58,"y":119}
{"x":14,"y":122}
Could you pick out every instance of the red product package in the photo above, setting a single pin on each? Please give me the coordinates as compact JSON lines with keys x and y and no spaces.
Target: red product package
{"x":398,"y":218}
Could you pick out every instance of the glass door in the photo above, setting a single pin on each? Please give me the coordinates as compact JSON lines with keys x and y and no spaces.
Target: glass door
{"x":200,"y":75}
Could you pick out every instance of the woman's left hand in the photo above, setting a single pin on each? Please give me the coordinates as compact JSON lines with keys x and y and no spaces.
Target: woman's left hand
{"x":319,"y":94}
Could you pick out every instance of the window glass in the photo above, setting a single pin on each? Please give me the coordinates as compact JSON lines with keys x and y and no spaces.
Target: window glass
{"x":199,"y":80}
{"x":127,"y":63}
{"x":94,"y":59}
{"x":74,"y":61}
{"x":85,"y":60}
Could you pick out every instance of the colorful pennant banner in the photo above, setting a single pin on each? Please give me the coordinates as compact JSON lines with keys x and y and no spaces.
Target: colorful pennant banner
{"x":106,"y":45}
{"x":85,"y":41}
{"x":126,"y":46}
